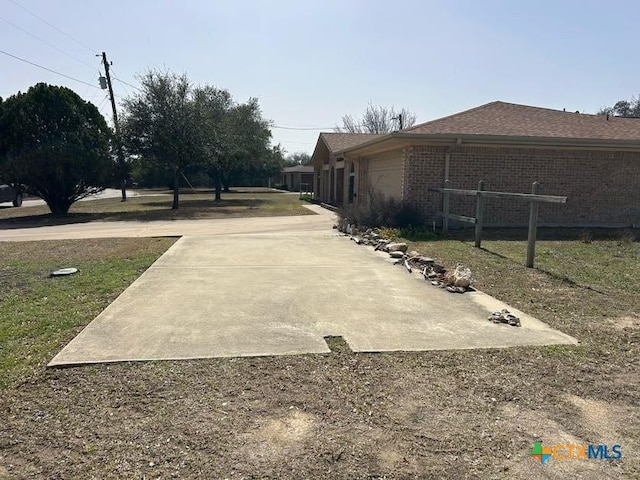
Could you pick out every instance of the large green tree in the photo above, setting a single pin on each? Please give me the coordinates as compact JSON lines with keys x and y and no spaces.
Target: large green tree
{"x":173,"y":126}
{"x":162,"y":125}
{"x":249,"y":154}
{"x":55,"y":145}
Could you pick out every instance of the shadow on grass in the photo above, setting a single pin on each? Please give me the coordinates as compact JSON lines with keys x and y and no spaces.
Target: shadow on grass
{"x":518,"y":234}
{"x":142,"y":211}
{"x":561,"y":278}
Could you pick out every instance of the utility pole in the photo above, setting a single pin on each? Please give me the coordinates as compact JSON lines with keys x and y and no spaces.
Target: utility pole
{"x":119,"y":153}
{"x":399,"y":118}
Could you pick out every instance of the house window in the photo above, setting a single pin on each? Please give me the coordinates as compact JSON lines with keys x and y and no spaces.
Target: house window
{"x":352,"y":183}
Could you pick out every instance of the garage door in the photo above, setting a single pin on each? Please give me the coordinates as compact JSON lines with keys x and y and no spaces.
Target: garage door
{"x":385,"y":174}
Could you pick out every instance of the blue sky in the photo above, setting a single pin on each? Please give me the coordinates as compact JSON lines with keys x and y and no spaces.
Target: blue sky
{"x":311,"y":62}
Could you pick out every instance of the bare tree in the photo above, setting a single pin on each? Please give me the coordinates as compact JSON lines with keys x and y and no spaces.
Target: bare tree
{"x":378,"y":119}
{"x":623,"y":108}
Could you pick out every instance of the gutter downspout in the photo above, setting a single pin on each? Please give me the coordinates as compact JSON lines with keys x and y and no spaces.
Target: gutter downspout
{"x":447,"y":158}
{"x":445,"y":196}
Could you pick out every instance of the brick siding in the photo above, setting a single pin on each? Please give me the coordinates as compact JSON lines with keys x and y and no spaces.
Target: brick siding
{"x":603,"y":186}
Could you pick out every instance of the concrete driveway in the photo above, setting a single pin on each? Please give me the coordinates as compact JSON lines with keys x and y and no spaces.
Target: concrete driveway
{"x":281,"y":292}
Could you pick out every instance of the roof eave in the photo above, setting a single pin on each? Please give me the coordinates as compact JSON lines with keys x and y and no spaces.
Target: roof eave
{"x":401,"y":139}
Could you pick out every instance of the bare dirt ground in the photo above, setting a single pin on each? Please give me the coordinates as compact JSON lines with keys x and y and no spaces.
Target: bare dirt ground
{"x":471,"y":414}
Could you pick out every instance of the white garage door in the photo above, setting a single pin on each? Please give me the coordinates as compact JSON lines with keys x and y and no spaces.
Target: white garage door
{"x":385,"y":174}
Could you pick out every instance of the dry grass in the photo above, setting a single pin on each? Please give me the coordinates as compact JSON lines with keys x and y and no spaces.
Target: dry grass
{"x":156,"y":205}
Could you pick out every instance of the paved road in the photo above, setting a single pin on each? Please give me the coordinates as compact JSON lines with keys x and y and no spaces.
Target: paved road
{"x":106,"y":193}
{"x":278,"y":286}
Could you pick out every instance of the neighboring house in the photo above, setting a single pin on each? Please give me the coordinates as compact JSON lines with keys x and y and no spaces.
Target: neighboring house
{"x":298,"y":176}
{"x":593,"y":160}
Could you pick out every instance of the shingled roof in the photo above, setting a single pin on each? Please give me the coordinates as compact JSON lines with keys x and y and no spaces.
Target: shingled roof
{"x":510,"y":119}
{"x":341,"y":141}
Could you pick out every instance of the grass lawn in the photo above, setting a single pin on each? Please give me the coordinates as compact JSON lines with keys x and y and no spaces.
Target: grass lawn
{"x":445,"y":414}
{"x":40,"y":314}
{"x":156,"y":205}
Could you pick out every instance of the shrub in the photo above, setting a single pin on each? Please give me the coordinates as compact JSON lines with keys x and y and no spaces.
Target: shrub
{"x":382,"y":212}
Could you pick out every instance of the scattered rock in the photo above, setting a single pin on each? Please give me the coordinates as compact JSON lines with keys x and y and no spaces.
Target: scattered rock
{"x":396,"y":254}
{"x":504,"y":316}
{"x":401,"y":247}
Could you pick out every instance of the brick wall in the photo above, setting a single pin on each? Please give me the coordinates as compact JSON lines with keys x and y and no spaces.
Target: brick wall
{"x":603,"y":186}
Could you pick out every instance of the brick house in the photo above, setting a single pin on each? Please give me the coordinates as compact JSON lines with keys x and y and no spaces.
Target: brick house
{"x":594,"y":160}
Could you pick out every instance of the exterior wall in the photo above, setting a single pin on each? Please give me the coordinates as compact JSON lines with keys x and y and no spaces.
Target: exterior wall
{"x":603,"y":187}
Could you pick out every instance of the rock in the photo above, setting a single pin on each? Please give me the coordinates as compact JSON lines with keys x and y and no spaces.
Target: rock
{"x":413,"y":254}
{"x":396,"y":254}
{"x":427,"y":260}
{"x":438,"y":268}
{"x":460,"y":277}
{"x":504,"y":316}
{"x":369,"y":231}
{"x":397,"y":247}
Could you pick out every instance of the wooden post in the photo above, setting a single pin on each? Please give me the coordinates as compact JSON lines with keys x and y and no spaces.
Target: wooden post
{"x":445,"y":209}
{"x":533,"y":227}
{"x":479,"y":213}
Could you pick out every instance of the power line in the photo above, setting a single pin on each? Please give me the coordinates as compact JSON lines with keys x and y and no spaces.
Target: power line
{"x":301,"y":128}
{"x":49,"y":70}
{"x":92,"y":50}
{"x":47,"y":43}
{"x":125,"y":83}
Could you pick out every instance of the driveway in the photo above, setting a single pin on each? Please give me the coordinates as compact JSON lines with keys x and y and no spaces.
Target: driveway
{"x":281,"y":291}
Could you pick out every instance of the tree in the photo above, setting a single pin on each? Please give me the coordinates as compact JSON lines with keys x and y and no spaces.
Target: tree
{"x":55,"y":145}
{"x":297,"y":158}
{"x":161,"y":124}
{"x":623,"y":108}
{"x":378,"y":119}
{"x":245,"y":151}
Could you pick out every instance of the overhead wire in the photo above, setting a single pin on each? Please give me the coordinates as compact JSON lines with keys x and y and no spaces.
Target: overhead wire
{"x":49,"y":69}
{"x":125,"y":83}
{"x":92,"y":50}
{"x":47,"y":43}
{"x":301,"y":128}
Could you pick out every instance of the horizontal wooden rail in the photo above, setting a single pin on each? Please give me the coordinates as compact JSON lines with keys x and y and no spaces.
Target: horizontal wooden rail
{"x":533,"y":198}
{"x":489,"y":194}
{"x":460,"y":218}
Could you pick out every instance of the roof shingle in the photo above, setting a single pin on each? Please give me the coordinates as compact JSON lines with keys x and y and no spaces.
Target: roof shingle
{"x":340,"y":141}
{"x":510,"y":119}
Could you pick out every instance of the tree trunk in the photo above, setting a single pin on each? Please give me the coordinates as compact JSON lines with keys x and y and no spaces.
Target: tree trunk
{"x":124,"y":190}
{"x":176,"y":190}
{"x":226,"y":188}
{"x":218,"y":188}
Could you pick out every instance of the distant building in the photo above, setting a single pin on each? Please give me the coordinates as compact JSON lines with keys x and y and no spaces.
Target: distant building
{"x":298,"y":176}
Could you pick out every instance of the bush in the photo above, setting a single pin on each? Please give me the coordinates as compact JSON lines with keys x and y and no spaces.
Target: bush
{"x":382,"y":212}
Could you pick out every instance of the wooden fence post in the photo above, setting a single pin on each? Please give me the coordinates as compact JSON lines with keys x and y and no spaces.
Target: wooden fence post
{"x":445,"y":208}
{"x":479,"y":213}
{"x":533,"y":227}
